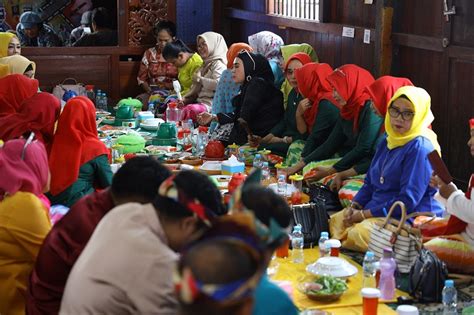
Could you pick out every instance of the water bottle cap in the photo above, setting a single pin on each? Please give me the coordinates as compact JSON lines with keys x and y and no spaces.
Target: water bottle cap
{"x":297,"y":228}
{"x":324,"y":234}
{"x":265,"y":163}
{"x":369,"y":255}
{"x":449,"y":283}
{"x":258,"y":155}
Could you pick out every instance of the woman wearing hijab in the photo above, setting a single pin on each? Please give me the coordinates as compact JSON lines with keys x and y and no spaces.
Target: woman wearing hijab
{"x":24,"y":221}
{"x":19,"y":65}
{"x":268,"y":44}
{"x":78,"y":159}
{"x":286,"y":131}
{"x":287,"y":51}
{"x":38,"y":114}
{"x":400,"y":170}
{"x":356,"y":131}
{"x":380,"y":92}
{"x":9,"y":44}
{"x":14,"y":89}
{"x":212,"y":48}
{"x":259,"y":103}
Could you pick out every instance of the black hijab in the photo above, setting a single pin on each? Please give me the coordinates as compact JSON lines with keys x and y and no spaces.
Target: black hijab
{"x":256,"y":65}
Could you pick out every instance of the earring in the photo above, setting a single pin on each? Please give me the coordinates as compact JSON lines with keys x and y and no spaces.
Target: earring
{"x":248,"y":78}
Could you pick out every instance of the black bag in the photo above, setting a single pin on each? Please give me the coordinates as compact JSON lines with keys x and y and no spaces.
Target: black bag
{"x":322,"y":194}
{"x":427,"y":276}
{"x":313,"y":219}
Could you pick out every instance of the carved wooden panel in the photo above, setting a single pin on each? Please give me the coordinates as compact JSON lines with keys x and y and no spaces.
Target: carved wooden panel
{"x":143,"y":15}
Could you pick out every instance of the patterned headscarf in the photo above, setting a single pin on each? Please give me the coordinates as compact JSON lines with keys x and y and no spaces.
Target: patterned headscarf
{"x":267,"y":44}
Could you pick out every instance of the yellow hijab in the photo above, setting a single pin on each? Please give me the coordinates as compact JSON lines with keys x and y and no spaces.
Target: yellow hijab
{"x":5,"y":38}
{"x":422,"y":119}
{"x":17,"y":64}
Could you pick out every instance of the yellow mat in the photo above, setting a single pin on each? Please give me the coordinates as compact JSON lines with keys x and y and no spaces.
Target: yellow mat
{"x":289,"y":271}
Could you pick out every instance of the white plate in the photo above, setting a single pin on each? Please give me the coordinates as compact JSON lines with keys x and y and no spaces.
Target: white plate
{"x":211,"y":166}
{"x":289,"y":189}
{"x":333,"y":266}
{"x":222,"y":180}
{"x":149,"y":127}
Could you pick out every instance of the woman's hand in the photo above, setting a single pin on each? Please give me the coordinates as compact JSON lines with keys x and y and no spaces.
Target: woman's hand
{"x":322,"y":171}
{"x":295,"y":168}
{"x":303,"y":106}
{"x":338,"y":180}
{"x":254,"y":141}
{"x":205,"y":118}
{"x":353,"y":216}
{"x":445,"y":190}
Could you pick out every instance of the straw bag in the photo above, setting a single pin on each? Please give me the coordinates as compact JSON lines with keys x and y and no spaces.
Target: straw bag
{"x":404,"y":240}
{"x":69,"y":84}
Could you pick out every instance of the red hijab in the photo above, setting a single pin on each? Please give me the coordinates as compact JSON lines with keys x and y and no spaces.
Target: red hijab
{"x":350,"y":82}
{"x":37,"y":113}
{"x":312,"y":84}
{"x":14,"y":89}
{"x":382,"y":90}
{"x":27,"y":175}
{"x":75,"y":143}
{"x":304,"y":58}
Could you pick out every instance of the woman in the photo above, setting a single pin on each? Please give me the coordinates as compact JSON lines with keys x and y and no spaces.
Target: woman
{"x":400,"y":170}
{"x":14,"y":89}
{"x":38,"y":113}
{"x":455,"y":242}
{"x":213,"y":49}
{"x":259,"y":103}
{"x":19,"y":65}
{"x":78,"y":159}
{"x":9,"y":44}
{"x":287,"y":51}
{"x":24,"y":221}
{"x":226,"y":88}
{"x":356,"y":130}
{"x":268,"y":44}
{"x":154,"y":71}
{"x":286,"y":131}
{"x":380,"y":92}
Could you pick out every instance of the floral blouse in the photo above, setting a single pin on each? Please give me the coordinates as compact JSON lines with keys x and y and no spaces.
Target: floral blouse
{"x":154,"y":70}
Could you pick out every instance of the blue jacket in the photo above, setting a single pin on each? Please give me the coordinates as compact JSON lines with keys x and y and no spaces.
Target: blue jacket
{"x":269,"y":299}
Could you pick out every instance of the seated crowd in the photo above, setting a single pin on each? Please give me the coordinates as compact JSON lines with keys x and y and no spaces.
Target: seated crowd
{"x":145,"y":241}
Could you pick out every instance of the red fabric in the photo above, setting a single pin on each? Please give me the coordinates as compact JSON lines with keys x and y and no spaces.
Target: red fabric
{"x":471,"y":123}
{"x":60,"y":250}
{"x":27,"y":175}
{"x":75,"y":143}
{"x":350,"y":82}
{"x":304,"y":58}
{"x":313,"y":84}
{"x":14,"y":89}
{"x":37,"y":113}
{"x":382,"y":90}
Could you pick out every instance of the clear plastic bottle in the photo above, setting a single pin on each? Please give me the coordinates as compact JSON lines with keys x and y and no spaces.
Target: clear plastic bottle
{"x":172,"y":113}
{"x":450,"y":298}
{"x":257,"y":161}
{"x":202,"y":140}
{"x":369,"y":269}
{"x":387,"y":275}
{"x":281,"y":185}
{"x":242,"y":155}
{"x":297,"y":244}
{"x":98,"y":95}
{"x":151,"y":108}
{"x":265,"y":171}
{"x":104,"y":101}
{"x":322,"y":247}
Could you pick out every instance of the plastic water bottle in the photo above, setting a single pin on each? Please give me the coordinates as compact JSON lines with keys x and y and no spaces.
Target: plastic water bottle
{"x":281,"y":184}
{"x":387,"y":275}
{"x":257,"y":161}
{"x":104,"y":101}
{"x":450,"y":298}
{"x":242,"y":155}
{"x":369,"y":269}
{"x":322,"y":247}
{"x":202,"y":140}
{"x":151,"y":108}
{"x":265,"y":171}
{"x":297,"y":244}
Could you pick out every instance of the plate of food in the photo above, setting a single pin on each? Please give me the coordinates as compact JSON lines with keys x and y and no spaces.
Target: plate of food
{"x":191,"y":160}
{"x":323,"y":289}
{"x":101,"y":113}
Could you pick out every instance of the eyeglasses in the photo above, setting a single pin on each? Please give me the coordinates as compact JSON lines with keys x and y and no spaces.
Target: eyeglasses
{"x":395,"y":113}
{"x":250,"y":56}
{"x":27,"y":143}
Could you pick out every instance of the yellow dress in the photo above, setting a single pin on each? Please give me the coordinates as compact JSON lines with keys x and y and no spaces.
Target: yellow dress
{"x":24,"y":223}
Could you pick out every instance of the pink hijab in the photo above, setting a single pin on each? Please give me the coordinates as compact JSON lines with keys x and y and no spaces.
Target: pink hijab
{"x":26,"y":175}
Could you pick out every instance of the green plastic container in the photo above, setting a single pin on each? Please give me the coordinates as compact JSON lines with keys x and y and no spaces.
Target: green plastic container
{"x":136,"y":104}
{"x":131,"y":143}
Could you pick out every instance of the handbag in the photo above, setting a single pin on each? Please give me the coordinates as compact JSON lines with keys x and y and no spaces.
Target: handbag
{"x":427,"y":276}
{"x":321,"y":193}
{"x":69,"y":84}
{"x":313,"y":219}
{"x":404,"y":240}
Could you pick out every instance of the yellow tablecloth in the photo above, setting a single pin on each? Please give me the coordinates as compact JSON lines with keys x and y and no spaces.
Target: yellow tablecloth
{"x":289,"y":271}
{"x":357,"y":310}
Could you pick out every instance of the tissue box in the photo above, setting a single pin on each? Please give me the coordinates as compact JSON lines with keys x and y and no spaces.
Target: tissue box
{"x":231,"y":166}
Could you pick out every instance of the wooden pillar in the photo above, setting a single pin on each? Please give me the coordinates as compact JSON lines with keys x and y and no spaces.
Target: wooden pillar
{"x":383,"y":37}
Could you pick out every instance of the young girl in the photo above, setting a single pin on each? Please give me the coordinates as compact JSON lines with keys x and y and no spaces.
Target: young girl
{"x":187,"y":62}
{"x":212,"y":48}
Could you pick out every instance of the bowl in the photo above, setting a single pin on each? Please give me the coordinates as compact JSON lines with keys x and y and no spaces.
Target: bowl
{"x":332,"y":266}
{"x":314,"y":288}
{"x":191,"y":160}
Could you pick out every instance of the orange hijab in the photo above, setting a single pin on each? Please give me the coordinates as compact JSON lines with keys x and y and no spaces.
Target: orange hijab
{"x":234,"y":50}
{"x":75,"y":143}
{"x":312,"y":84}
{"x":350,"y":82}
{"x":14,"y":89}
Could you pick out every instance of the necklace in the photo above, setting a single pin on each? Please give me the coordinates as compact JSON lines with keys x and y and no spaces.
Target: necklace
{"x":382,"y":169}
{"x":295,"y":99}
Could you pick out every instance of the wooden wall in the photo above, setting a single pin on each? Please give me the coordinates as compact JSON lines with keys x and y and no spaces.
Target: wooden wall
{"x":435,"y":54}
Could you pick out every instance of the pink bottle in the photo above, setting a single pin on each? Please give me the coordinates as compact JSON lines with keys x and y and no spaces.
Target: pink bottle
{"x":387,"y":275}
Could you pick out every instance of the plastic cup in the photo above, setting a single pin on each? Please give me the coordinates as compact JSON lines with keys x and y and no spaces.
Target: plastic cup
{"x":282,"y":251}
{"x":335,"y":247}
{"x":370,"y":301}
{"x":407,"y":310}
